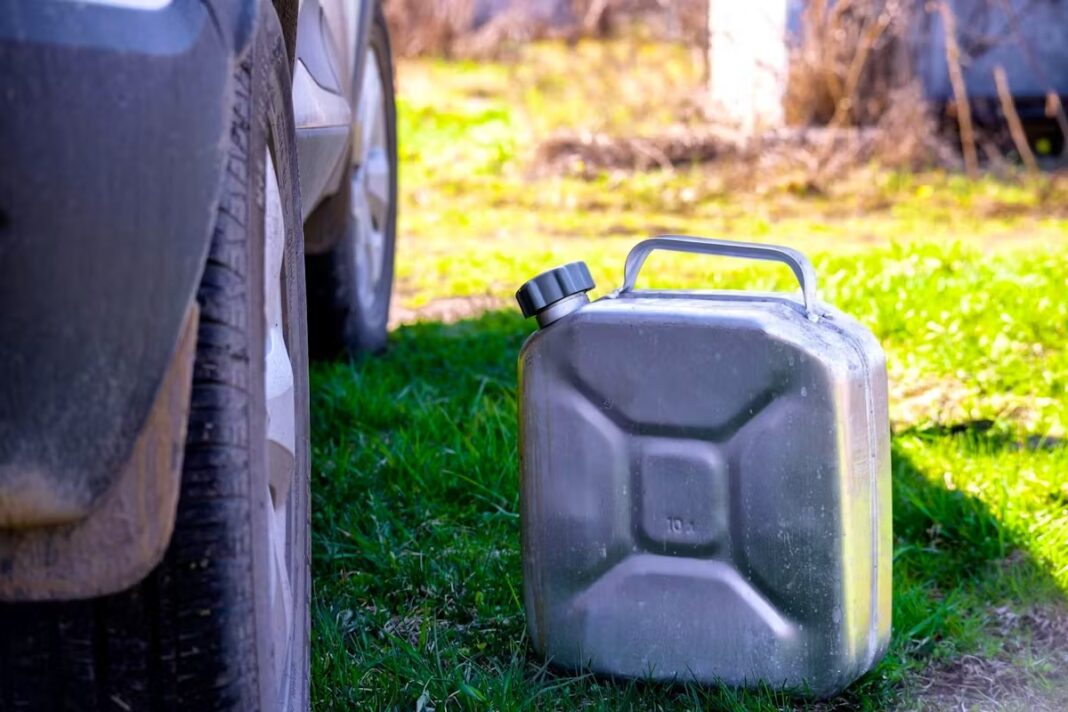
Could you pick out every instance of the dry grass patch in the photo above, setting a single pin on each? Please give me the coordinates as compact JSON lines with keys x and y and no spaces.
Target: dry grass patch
{"x":1030,"y":672}
{"x":447,"y":310}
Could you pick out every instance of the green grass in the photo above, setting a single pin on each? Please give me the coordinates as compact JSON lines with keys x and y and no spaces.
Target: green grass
{"x":417,"y":593}
{"x":476,"y":215}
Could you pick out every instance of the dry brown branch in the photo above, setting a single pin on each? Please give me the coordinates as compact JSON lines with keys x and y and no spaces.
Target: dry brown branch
{"x":1016,"y":130}
{"x":1055,"y":108}
{"x":960,"y":92}
{"x":595,"y":20}
{"x":870,"y":36}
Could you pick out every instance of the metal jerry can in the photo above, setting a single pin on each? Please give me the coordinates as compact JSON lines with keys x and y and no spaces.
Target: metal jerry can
{"x":705,"y":488}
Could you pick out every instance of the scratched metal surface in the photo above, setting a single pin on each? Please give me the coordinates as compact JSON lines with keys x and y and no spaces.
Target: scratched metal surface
{"x":706,"y":491}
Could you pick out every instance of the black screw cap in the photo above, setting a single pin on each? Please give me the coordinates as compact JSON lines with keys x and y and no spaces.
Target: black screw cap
{"x":552,"y":286}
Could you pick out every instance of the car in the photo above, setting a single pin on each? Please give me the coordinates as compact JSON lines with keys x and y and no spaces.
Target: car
{"x":195,"y":195}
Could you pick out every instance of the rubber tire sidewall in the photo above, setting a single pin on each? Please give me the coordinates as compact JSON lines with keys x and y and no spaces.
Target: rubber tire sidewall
{"x":272,"y":104}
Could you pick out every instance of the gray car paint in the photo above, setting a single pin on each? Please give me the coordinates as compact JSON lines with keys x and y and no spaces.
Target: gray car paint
{"x":111,"y":127}
{"x":107,"y":200}
{"x":331,"y":48}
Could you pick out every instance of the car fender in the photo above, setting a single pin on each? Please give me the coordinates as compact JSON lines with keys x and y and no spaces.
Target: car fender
{"x":112,"y":127}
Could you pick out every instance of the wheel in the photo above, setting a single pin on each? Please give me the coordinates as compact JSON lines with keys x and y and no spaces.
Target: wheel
{"x":350,"y":286}
{"x":222,"y":622}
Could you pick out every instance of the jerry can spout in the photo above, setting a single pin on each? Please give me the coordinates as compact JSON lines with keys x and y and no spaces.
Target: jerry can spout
{"x":554,"y":294}
{"x":561,"y":309}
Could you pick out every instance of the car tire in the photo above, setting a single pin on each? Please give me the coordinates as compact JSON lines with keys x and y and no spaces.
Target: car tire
{"x":349,"y":287}
{"x":222,"y":622}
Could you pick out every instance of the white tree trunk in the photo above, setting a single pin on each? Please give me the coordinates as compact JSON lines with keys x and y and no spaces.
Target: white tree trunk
{"x":747,"y":59}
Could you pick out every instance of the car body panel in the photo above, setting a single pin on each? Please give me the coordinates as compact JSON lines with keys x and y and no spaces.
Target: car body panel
{"x":108,"y":195}
{"x":135,"y":518}
{"x":330,"y":37}
{"x":113,"y":125}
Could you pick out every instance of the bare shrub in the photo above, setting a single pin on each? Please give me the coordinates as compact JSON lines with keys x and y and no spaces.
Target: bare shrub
{"x":849,"y":60}
{"x":811,"y":157}
{"x":852,"y":67}
{"x":507,"y":30}
{"x":684,"y":21}
{"x":450,"y":28}
{"x":427,"y":27}
{"x":589,"y":153}
{"x":907,"y":134}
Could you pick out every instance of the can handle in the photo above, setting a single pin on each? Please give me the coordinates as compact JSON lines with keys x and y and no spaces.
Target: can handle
{"x":797,"y":262}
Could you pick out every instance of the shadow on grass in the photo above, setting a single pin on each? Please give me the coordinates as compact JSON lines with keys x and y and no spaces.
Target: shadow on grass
{"x":417,"y":553}
{"x":970,"y":605}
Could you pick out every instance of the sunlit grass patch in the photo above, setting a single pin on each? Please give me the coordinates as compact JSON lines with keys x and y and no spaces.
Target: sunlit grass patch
{"x":415,"y":501}
{"x":416,"y":532}
{"x":417,"y":551}
{"x":476,"y":216}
